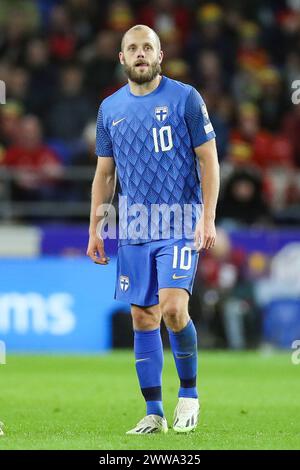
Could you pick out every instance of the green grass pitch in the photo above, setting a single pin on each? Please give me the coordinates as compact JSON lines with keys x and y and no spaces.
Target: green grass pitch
{"x":249,"y":401}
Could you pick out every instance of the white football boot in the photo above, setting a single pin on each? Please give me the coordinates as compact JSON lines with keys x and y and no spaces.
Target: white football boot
{"x":186,"y":414}
{"x":1,"y":429}
{"x":150,"y":424}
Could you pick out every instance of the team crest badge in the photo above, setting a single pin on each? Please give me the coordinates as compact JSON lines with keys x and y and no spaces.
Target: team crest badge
{"x":124,"y":283}
{"x":161,"y":113}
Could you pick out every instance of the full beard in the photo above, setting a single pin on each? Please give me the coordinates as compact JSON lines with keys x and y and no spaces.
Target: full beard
{"x":135,"y":76}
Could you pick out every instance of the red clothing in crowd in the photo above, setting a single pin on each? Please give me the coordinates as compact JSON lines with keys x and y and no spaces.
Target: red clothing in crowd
{"x":41,"y":162}
{"x":153,"y":18}
{"x":264,"y":150}
{"x":19,"y":157}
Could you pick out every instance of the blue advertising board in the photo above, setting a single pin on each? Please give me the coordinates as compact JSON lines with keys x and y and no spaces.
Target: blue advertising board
{"x":282,"y":322}
{"x":56,"y":304}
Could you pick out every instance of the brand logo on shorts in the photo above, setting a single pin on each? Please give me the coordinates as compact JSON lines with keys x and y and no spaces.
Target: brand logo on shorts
{"x":124,"y":283}
{"x":178,"y":277}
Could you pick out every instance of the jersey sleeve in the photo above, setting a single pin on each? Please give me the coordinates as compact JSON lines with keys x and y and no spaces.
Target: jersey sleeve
{"x":198,"y":122}
{"x":103,"y":140}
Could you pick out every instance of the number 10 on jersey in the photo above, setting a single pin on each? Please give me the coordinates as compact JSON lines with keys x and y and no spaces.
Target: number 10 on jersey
{"x":162,"y":139}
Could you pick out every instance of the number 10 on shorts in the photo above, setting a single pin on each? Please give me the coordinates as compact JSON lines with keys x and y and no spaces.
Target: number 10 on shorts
{"x":183,"y":256}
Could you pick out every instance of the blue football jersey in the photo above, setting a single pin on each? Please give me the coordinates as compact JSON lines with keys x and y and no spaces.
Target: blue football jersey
{"x":152,"y":140}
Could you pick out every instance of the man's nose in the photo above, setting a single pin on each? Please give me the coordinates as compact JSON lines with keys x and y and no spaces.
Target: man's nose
{"x":140,"y":53}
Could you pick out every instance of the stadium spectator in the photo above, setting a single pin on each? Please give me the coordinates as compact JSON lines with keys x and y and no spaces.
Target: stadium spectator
{"x":101,"y":65}
{"x":166,"y":17}
{"x":223,"y":302}
{"x":18,"y":21}
{"x":252,"y":145}
{"x":43,"y":77}
{"x":71,"y":109}
{"x":208,"y":73}
{"x":291,"y":129}
{"x":119,"y":16}
{"x":86,"y":159}
{"x":271,"y":102}
{"x":242,"y":202}
{"x":10,"y":115}
{"x":62,"y":37}
{"x":212,"y":33}
{"x":38,"y":167}
{"x":17,"y":86}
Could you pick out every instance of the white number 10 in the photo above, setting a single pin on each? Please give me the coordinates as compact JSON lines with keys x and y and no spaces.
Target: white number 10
{"x":164,"y":135}
{"x":184,"y":263}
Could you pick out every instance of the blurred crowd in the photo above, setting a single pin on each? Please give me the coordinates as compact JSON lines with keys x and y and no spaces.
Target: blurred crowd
{"x":224,"y":303}
{"x":59,"y":59}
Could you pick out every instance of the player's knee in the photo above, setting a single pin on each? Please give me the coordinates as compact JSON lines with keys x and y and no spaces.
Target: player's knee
{"x":144,"y":321}
{"x":173,"y":314}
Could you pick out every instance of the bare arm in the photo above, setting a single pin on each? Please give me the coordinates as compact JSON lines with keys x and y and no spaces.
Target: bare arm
{"x":210,"y":180}
{"x":103,"y":189}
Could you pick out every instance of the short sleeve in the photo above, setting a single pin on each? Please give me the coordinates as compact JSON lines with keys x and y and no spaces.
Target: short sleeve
{"x":197,"y":119}
{"x":103,"y":140}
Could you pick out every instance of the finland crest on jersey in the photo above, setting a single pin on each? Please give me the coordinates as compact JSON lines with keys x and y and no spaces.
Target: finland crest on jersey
{"x":124,"y":283}
{"x":161,"y":113}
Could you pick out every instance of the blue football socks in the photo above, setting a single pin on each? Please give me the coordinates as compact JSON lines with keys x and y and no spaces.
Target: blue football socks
{"x":184,"y":348}
{"x":149,"y":363}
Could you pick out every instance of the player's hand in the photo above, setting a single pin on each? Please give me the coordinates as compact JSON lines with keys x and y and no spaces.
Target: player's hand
{"x":96,"y":251}
{"x":205,"y":234}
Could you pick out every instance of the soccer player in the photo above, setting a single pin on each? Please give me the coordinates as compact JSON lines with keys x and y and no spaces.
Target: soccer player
{"x":156,"y":134}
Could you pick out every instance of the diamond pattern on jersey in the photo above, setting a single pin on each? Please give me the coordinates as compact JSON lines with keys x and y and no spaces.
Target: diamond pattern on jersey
{"x":149,"y":177}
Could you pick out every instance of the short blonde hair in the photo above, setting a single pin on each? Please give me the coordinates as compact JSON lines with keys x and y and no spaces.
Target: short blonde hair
{"x":137,"y":28}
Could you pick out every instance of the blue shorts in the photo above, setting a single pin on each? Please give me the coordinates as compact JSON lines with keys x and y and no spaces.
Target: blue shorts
{"x":145,"y":268}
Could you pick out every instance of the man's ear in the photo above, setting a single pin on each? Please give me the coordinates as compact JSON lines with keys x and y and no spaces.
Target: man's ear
{"x":160,"y":57}
{"x":121,"y":57}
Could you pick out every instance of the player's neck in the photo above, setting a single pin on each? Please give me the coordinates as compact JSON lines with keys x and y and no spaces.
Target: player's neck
{"x":145,"y":88}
